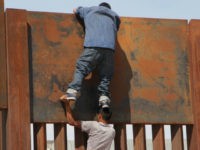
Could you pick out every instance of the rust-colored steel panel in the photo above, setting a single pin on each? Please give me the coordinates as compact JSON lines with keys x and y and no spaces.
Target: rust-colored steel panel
{"x":18,"y":119}
{"x":80,"y":139}
{"x":195,"y":82}
{"x":1,"y":5}
{"x":158,"y":137}
{"x":40,"y":142}
{"x":156,"y":51}
{"x":3,"y":129}
{"x":177,"y":137}
{"x":3,"y":78}
{"x":150,"y":84}
{"x":60,"y":136}
{"x":120,"y":137}
{"x":139,"y":137}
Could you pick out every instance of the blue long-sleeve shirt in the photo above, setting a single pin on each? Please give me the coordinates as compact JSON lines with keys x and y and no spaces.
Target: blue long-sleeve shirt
{"x":101,"y":26}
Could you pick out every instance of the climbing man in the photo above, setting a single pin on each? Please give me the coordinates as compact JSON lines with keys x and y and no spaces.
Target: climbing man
{"x":100,"y":133}
{"x":101,"y":26}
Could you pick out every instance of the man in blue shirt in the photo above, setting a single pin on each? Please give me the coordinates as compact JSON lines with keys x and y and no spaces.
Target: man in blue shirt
{"x":101,"y":26}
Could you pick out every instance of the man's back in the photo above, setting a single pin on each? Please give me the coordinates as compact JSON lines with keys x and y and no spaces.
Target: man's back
{"x":101,"y":25}
{"x":100,"y":135}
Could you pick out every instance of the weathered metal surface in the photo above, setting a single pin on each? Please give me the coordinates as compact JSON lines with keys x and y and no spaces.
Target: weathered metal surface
{"x":55,"y":43}
{"x":158,"y":137}
{"x":3,"y":96}
{"x":177,"y":137}
{"x":194,"y":37}
{"x":2,"y":129}
{"x":192,"y":137}
{"x":60,"y":136}
{"x":3,"y":83}
{"x":150,"y":84}
{"x":120,"y":137}
{"x":80,"y":139}
{"x":139,"y":137}
{"x":157,"y":53}
{"x":40,"y":142}
{"x":18,"y":119}
{"x":1,"y":5}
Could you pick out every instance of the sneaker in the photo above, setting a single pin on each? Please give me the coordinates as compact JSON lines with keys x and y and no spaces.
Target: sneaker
{"x":72,"y":94}
{"x":104,"y":101}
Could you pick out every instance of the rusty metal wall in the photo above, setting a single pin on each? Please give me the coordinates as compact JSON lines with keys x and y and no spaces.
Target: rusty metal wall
{"x":3,"y":74}
{"x":18,"y":115}
{"x":3,"y":89}
{"x":151,"y":81}
{"x":157,"y":54}
{"x":194,"y":36}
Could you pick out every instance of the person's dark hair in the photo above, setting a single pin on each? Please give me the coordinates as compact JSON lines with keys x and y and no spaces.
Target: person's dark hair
{"x":106,"y":113}
{"x":105,"y":5}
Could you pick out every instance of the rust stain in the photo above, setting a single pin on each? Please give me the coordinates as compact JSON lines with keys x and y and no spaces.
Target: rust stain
{"x":55,"y":92}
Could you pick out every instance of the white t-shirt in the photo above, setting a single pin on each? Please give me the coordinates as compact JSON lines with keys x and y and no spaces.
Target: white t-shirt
{"x":100,"y":135}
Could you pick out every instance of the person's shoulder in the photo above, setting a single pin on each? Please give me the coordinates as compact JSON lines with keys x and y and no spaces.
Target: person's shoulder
{"x":88,"y":8}
{"x":93,"y":7}
{"x":113,"y":12}
{"x":105,"y":9}
{"x":109,"y":10}
{"x":111,"y":128}
{"x":89,"y":123}
{"x":112,"y":131}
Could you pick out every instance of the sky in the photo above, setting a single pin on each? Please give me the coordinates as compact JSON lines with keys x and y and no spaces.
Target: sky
{"x":171,"y":9}
{"x":166,"y":9}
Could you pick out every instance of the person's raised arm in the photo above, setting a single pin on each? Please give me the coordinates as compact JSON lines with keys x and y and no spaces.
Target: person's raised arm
{"x":74,"y":10}
{"x":82,"y":11}
{"x":70,"y":118}
{"x":69,"y":115}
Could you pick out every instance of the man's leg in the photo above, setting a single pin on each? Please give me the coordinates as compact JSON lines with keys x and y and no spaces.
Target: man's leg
{"x":85,"y":64}
{"x":106,"y":69}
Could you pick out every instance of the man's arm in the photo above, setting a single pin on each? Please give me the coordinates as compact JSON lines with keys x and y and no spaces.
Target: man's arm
{"x":74,"y":10}
{"x":82,"y":11}
{"x":70,"y":118}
